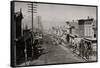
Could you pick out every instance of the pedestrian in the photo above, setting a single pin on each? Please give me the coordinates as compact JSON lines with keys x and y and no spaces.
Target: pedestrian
{"x":81,"y":48}
{"x":89,"y":50}
{"x":85,"y":49}
{"x":68,"y":38}
{"x":75,"y":47}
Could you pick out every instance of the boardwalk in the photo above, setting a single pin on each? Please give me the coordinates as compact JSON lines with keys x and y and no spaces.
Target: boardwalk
{"x":56,"y":54}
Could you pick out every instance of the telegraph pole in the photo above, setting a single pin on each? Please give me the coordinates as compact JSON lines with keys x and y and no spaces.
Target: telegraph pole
{"x":32,"y":9}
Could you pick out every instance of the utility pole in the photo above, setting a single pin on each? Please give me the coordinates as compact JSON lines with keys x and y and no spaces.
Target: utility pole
{"x":32,"y":9}
{"x":40,"y":27}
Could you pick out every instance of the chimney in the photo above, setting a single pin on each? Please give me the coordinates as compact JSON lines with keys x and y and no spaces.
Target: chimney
{"x":88,"y":17}
{"x":20,"y":10}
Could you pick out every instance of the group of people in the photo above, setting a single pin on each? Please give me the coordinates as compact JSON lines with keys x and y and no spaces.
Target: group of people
{"x":84,"y":48}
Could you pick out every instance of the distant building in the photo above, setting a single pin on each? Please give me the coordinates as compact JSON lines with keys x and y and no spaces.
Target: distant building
{"x":86,"y":28}
{"x":74,"y":27}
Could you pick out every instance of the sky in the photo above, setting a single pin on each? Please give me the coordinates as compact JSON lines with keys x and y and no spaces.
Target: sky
{"x":55,"y":15}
